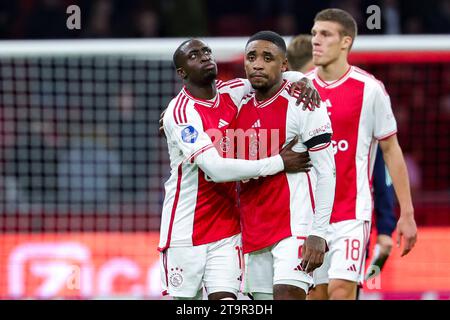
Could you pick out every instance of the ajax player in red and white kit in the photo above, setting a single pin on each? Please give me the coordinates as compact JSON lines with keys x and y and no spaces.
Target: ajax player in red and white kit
{"x":361,"y":116}
{"x":280,"y":214}
{"x":200,"y":241}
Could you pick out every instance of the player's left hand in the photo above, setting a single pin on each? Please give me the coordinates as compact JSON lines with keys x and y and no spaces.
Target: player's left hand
{"x":313,"y":252}
{"x":406,"y":229}
{"x":161,"y":123}
{"x":308,"y":94}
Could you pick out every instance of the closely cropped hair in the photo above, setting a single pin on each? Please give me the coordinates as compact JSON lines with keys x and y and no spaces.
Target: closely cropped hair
{"x":348,"y":24}
{"x":271,"y":36}
{"x":299,"y":51}
{"x":177,"y":54}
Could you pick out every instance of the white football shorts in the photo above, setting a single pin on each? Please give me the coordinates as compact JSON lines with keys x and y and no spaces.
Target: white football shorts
{"x":347,"y":242}
{"x":277,"y":264}
{"x":216,"y":266}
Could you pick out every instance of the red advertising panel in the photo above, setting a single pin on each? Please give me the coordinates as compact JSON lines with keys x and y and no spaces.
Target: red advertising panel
{"x":83,"y":265}
{"x":422,"y":274}
{"x":126,"y":265}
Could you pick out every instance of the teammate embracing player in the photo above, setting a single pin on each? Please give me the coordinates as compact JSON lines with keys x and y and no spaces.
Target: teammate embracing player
{"x":200,"y":241}
{"x":361,"y":115}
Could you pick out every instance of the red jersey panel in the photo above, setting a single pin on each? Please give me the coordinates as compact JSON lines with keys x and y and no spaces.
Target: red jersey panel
{"x":361,"y":115}
{"x":273,"y":208}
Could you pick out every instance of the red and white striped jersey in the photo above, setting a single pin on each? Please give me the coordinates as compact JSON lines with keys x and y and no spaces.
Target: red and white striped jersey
{"x":197,"y":211}
{"x":275,"y":207}
{"x":361,"y":115}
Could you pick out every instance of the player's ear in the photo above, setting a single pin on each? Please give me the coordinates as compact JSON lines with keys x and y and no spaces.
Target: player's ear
{"x":347,"y":42}
{"x":284,"y":65}
{"x":181,"y":73}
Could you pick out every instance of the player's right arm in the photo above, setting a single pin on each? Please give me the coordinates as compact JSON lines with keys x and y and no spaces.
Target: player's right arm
{"x":316,"y":132}
{"x":184,"y":128}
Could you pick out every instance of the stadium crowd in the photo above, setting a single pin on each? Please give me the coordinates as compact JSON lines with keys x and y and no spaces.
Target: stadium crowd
{"x":41,"y":19}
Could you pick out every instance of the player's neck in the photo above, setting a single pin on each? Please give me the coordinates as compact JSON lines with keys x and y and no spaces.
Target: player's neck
{"x":205,"y":92}
{"x":334,"y":70}
{"x":262,"y":95}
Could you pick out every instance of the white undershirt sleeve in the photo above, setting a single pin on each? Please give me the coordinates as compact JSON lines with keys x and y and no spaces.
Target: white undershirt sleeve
{"x":293,"y":76}
{"x":220,"y":169}
{"x":324,"y":167}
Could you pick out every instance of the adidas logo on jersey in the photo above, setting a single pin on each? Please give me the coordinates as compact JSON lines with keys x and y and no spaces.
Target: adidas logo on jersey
{"x":352,"y":268}
{"x":222,"y":123}
{"x":257,"y":124}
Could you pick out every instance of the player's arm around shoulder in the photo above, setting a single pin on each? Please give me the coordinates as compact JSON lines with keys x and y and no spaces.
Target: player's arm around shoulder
{"x":293,"y":76}
{"x":236,"y":88}
{"x":304,"y":91}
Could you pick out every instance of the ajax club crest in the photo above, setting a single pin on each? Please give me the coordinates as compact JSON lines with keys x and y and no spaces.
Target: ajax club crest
{"x":176,"y":277}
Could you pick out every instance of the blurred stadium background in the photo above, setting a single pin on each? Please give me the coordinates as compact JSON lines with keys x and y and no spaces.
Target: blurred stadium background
{"x":82,"y":166}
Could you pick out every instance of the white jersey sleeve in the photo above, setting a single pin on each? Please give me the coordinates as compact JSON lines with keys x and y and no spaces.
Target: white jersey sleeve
{"x":220,"y":169}
{"x":325,"y":170}
{"x":315,"y":128}
{"x":316,"y":135}
{"x":385,"y":124}
{"x":293,"y":76}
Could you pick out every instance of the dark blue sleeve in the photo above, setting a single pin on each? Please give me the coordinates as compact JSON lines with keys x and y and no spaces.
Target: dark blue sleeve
{"x":383,"y":197}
